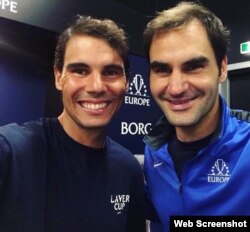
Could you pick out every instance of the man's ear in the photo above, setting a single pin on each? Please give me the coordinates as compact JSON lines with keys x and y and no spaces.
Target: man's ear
{"x":58,"y":78}
{"x":223,"y":71}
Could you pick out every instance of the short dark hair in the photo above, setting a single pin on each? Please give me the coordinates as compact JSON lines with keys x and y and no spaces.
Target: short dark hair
{"x":104,"y":29}
{"x":182,"y":14}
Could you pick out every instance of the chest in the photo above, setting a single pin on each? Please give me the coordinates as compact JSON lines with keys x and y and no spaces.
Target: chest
{"x":82,"y":189}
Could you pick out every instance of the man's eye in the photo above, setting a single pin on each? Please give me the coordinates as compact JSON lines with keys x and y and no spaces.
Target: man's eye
{"x":112,"y":72}
{"x":161,"y":70}
{"x":193,"y":67}
{"x":79,"y":71}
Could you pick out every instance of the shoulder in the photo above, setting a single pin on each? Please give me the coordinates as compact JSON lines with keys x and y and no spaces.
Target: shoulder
{"x":236,"y":128}
{"x":121,"y":154}
{"x":21,"y":144}
{"x":241,"y":115}
{"x":26,"y":127}
{"x":15,"y":135}
{"x":115,"y":147}
{"x":240,"y":120}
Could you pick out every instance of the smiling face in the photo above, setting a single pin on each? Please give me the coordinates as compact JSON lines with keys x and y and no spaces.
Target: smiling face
{"x":92,"y":82}
{"x":184,"y":78}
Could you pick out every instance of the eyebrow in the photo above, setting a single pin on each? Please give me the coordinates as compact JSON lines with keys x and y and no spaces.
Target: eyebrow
{"x":157,"y":64}
{"x":199,"y":60}
{"x":82,"y":65}
{"x":76,"y":65}
{"x":115,"y":67}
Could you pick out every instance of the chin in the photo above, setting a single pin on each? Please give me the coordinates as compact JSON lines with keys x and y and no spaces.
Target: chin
{"x":95,"y":125}
{"x":180,"y":123}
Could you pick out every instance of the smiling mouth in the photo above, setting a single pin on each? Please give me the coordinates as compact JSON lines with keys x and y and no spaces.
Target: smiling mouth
{"x":94,"y":106}
{"x":179,"y":102}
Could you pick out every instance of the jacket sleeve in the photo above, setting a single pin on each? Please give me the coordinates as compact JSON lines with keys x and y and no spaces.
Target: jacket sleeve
{"x":4,"y":163}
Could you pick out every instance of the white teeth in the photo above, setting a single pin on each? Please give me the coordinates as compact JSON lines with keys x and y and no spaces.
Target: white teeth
{"x":92,"y":106}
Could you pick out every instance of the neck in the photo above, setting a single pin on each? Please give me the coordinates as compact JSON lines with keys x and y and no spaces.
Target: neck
{"x":91,"y":137}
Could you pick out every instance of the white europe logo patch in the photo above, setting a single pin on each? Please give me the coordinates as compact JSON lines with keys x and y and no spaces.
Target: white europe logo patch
{"x":137,"y":93}
{"x":119,"y":202}
{"x":219,"y":172}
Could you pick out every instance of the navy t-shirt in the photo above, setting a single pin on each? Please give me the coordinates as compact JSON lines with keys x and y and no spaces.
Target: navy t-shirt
{"x":51,"y":183}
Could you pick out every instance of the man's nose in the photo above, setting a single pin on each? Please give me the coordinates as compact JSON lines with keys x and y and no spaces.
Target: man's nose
{"x":177,"y":83}
{"x":95,"y":83}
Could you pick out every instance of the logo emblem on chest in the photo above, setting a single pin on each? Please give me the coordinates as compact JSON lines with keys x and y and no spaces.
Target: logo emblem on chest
{"x":219,"y":172}
{"x":119,"y":202}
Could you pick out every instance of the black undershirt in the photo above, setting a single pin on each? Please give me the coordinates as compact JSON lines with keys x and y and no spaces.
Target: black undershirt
{"x":182,"y":152}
